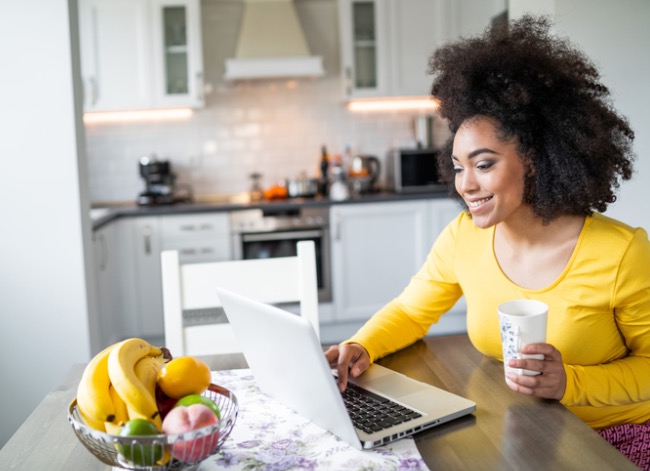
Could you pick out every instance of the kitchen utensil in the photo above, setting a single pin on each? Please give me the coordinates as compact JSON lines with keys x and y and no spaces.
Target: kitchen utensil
{"x":302,"y":187}
{"x":364,"y":173}
{"x":102,"y":445}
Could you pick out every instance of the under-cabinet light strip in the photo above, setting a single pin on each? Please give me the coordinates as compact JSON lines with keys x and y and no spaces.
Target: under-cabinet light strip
{"x":177,"y":114}
{"x":426,"y":104}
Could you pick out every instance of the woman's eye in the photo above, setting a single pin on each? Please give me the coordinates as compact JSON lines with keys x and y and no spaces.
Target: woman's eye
{"x":484,"y":165}
{"x":458,"y":169}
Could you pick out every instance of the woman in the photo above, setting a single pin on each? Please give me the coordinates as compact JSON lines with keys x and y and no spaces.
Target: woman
{"x":535,"y":150}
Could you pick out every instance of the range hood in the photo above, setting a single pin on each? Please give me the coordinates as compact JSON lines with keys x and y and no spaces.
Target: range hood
{"x":271,"y":44}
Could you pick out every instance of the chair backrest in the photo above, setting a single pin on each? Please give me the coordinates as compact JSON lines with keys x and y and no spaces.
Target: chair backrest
{"x":269,"y":280}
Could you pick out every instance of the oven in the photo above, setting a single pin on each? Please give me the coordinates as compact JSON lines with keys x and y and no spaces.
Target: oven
{"x":274,"y":231}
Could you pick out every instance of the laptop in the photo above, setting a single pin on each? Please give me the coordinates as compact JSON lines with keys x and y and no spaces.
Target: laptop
{"x":287,"y":360}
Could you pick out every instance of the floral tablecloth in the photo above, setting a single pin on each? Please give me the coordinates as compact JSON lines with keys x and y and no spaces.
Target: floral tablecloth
{"x":270,"y":436}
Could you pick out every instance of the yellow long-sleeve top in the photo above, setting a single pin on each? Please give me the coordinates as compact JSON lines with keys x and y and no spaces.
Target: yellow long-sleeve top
{"x":599,"y":312}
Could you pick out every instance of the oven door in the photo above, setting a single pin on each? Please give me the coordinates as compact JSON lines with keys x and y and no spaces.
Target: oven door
{"x":256,"y":245}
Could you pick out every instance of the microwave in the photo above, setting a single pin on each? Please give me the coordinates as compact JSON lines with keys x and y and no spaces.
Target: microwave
{"x":414,"y":171}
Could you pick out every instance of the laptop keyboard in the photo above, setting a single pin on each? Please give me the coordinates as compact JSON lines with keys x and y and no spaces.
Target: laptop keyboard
{"x":372,"y":413}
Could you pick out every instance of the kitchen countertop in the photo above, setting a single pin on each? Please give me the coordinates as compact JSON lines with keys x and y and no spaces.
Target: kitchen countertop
{"x":103,"y":213}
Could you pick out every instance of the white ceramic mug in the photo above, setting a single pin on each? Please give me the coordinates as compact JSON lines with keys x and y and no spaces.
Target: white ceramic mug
{"x":522,"y":321}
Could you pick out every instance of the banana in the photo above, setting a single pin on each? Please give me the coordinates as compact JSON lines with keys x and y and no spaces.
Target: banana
{"x":112,"y":428}
{"x":121,"y":414}
{"x":121,"y":370}
{"x":147,"y":369}
{"x":92,"y":423}
{"x":93,"y":398}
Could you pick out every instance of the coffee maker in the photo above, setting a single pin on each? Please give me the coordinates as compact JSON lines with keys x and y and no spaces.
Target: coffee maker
{"x":160,"y":183}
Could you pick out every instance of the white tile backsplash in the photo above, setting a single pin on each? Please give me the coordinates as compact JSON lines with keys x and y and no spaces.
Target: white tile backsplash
{"x":215,"y":152}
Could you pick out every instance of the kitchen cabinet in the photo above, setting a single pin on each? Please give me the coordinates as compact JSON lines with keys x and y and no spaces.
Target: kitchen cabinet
{"x":177,"y":53}
{"x":375,"y":251}
{"x":385,"y":45}
{"x":198,"y":238}
{"x":106,"y":283}
{"x":140,"y":54}
{"x":377,"y":248}
{"x":145,"y":247}
{"x":115,"y":282}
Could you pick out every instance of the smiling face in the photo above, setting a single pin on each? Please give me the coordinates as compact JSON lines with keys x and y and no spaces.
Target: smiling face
{"x":489,"y":173}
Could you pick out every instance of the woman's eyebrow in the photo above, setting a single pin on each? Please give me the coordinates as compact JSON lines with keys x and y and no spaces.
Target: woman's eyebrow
{"x":476,"y":152}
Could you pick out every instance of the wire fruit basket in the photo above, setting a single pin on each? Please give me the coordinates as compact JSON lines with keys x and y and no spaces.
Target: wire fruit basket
{"x":152,"y":452}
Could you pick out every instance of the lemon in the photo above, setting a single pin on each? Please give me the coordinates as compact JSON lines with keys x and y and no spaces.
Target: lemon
{"x":183,"y":376}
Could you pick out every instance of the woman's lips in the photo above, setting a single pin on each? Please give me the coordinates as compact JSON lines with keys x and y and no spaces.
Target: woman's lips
{"x":476,"y":204}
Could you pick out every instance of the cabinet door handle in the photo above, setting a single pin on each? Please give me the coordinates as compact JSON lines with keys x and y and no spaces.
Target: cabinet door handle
{"x":188,"y":252}
{"x":146,"y":232}
{"x":199,"y":86}
{"x":188,"y":227}
{"x":92,"y":86}
{"x":337,"y":229}
{"x":206,"y":227}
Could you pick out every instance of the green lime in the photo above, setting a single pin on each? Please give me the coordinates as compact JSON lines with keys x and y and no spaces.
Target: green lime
{"x":141,"y":455}
{"x":198,"y":399}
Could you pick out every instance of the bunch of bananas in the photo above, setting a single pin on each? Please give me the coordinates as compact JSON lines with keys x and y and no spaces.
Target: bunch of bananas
{"x":119,"y":384}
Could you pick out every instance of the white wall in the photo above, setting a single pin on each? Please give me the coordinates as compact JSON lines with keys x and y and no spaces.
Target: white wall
{"x":43,"y":302}
{"x":615,"y":35}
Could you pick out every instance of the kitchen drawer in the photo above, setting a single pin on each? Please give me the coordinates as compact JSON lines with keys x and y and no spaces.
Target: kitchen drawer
{"x":197,"y":251}
{"x":203,"y":226}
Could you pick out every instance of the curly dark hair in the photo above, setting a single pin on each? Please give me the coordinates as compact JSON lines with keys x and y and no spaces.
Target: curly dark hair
{"x":545,"y":93}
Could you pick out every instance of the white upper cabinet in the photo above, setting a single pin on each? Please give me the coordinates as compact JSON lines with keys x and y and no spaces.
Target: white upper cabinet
{"x":386,"y":44}
{"x":140,"y":54}
{"x":115,"y":46}
{"x":177,"y":53}
{"x":416,"y":30}
{"x":364,"y":53}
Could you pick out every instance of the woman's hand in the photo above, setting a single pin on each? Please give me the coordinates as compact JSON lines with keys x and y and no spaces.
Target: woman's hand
{"x":550,"y":384}
{"x":347,"y":356}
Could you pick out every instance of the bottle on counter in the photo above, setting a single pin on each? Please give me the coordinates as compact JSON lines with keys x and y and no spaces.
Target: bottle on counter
{"x":324,"y":171}
{"x":348,"y":157}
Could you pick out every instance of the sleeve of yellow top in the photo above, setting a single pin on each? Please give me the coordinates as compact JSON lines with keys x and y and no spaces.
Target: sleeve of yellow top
{"x":625,"y":380}
{"x":430,"y":293}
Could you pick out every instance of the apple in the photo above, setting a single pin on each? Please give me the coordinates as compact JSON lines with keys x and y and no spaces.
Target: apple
{"x":141,"y":455}
{"x":183,"y":419}
{"x":198,"y":399}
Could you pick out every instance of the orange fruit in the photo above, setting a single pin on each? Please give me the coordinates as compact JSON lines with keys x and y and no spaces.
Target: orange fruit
{"x":184,"y":375}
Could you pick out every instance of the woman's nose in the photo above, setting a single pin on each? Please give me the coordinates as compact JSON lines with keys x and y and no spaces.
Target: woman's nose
{"x":466,"y":182}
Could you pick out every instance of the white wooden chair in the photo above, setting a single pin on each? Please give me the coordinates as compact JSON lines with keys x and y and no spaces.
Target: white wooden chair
{"x":193,"y":286}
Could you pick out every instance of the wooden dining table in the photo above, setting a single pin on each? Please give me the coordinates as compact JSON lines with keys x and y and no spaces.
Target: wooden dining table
{"x":508,"y":431}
